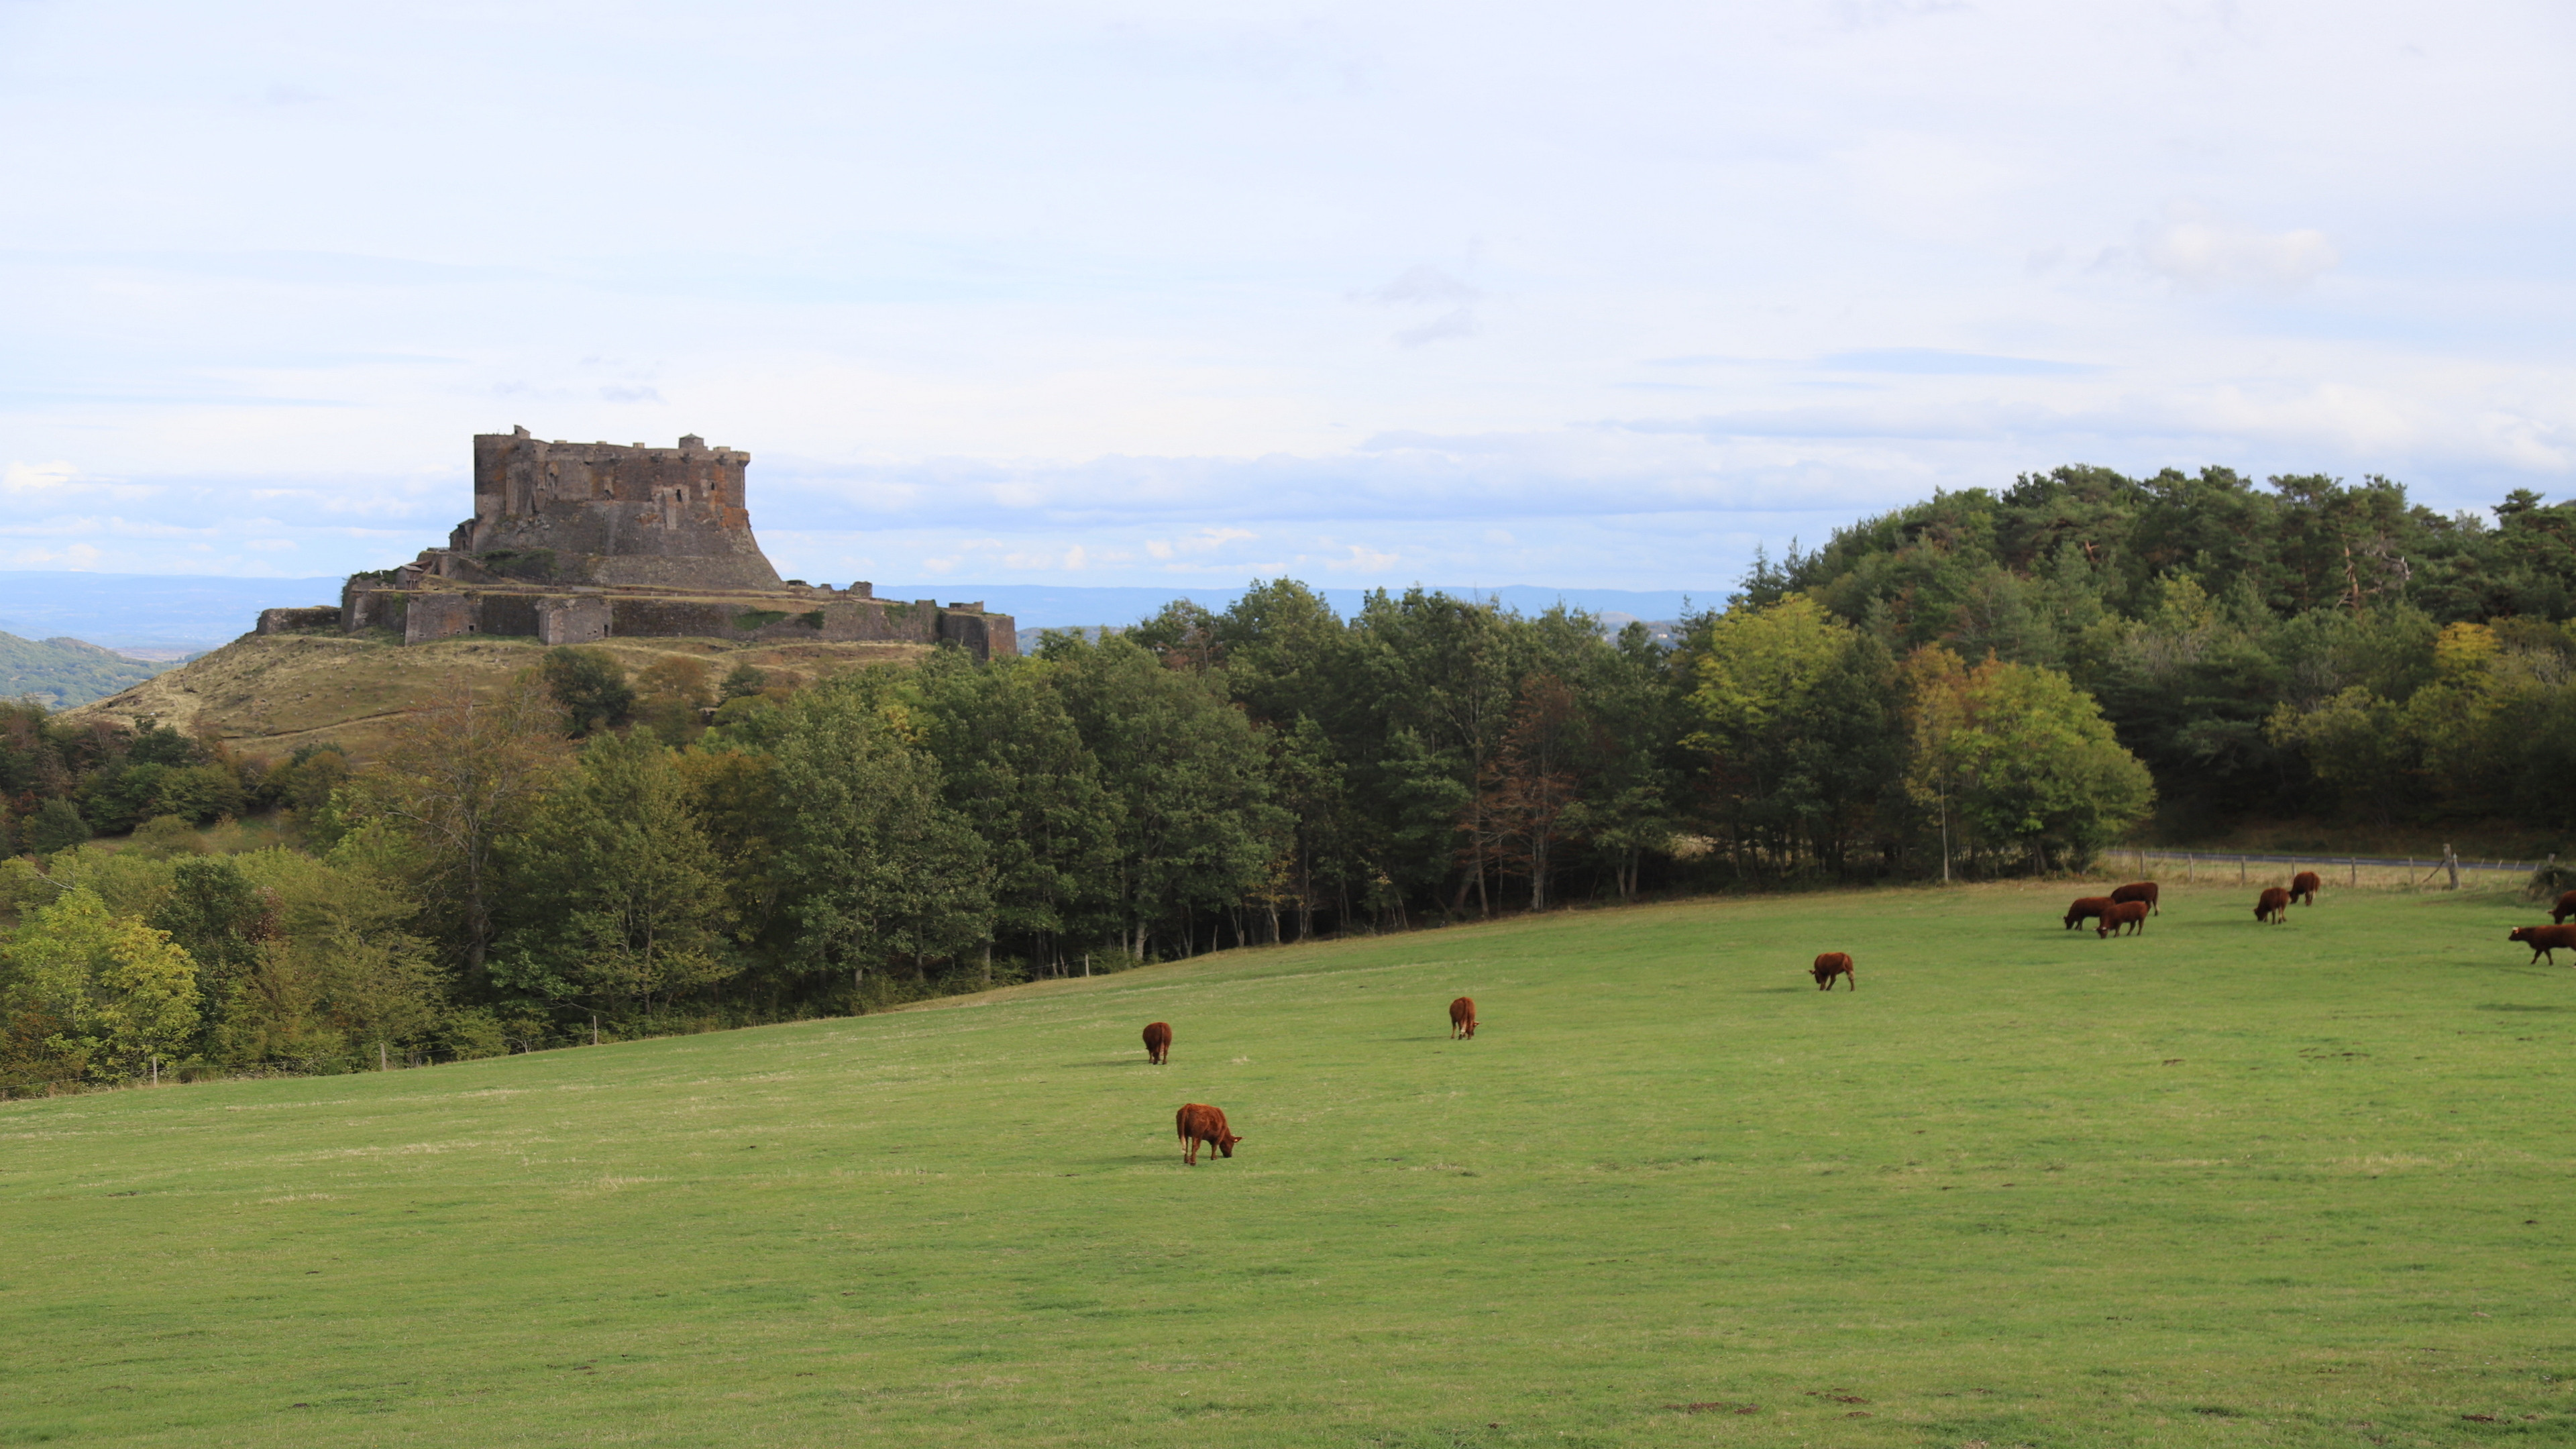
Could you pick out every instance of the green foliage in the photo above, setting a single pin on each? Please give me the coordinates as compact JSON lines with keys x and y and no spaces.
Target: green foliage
{"x":589,"y":685}
{"x":2208,"y":614}
{"x":1796,"y":713}
{"x":100,"y":995}
{"x":61,"y":673}
{"x":620,"y":896}
{"x":56,"y":825}
{"x":742,"y":680}
{"x":879,"y":870}
{"x":2021,"y":760}
{"x":752,"y":621}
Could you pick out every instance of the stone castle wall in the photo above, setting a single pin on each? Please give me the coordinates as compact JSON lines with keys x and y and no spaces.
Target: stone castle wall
{"x":572,"y":543}
{"x":599,"y":513}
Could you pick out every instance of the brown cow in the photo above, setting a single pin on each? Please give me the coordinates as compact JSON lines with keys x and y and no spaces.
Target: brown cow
{"x":2303,"y":888}
{"x":2090,"y":908}
{"x":2140,"y":890}
{"x":1158,"y":1042}
{"x":1197,"y":1122}
{"x":2566,"y":908}
{"x":1830,"y":965}
{"x":2273,"y":905}
{"x":2545,"y":940}
{"x":1462,"y":1018}
{"x":2131,"y":915}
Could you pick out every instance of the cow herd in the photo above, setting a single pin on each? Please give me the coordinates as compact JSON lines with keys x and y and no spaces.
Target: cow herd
{"x":1201,"y":1125}
{"x":2123,"y":912}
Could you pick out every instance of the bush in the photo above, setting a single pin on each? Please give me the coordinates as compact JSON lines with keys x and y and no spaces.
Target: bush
{"x":590,"y":685}
{"x":2550,"y":882}
{"x":56,"y":825}
{"x":163,"y":836}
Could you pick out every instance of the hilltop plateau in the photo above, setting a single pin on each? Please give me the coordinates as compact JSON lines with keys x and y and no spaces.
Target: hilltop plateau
{"x":279,"y":691}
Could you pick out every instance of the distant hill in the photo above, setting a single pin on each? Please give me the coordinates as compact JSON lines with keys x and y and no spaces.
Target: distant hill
{"x":60,"y":673}
{"x":170,"y":611}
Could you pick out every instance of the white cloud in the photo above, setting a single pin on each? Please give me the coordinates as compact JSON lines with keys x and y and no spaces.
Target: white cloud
{"x":2202,"y":252}
{"x":1424,"y":285}
{"x":36,"y":477}
{"x":1074,"y":327}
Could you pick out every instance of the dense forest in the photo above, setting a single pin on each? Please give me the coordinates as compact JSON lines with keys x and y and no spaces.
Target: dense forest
{"x":1980,"y":685}
{"x":2302,"y":647}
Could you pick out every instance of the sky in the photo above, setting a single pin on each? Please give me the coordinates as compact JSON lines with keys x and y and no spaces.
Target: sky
{"x":1605,"y":295}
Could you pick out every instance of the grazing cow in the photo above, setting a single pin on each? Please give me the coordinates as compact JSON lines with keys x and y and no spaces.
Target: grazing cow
{"x":2273,"y":905}
{"x":2140,"y":890}
{"x":1198,"y":1123}
{"x":2090,"y":908}
{"x":1158,"y":1043}
{"x":2303,"y":888}
{"x":1462,"y":1018}
{"x":2566,"y":908}
{"x":2545,"y":940}
{"x":2124,"y":918}
{"x":1830,"y":965}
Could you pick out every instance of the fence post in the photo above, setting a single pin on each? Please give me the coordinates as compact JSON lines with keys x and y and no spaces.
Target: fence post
{"x":2356,"y":870}
{"x":2240,"y":870}
{"x":2453,"y":861}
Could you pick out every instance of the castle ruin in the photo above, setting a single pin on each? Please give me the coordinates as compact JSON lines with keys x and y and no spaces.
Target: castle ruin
{"x":571,"y":543}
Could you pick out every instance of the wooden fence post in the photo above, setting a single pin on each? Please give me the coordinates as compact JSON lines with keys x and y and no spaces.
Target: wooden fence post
{"x":2453,"y":861}
{"x":2240,"y":870}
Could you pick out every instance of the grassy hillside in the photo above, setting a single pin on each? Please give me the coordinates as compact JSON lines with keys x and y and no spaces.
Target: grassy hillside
{"x":2220,"y":1184}
{"x":276,"y":692}
{"x":61,"y":673}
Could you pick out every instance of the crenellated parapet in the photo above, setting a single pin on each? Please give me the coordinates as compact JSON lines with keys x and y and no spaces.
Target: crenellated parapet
{"x":571,"y":543}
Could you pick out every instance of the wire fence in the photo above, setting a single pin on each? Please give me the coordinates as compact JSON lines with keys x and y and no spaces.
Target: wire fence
{"x":2358,"y":872}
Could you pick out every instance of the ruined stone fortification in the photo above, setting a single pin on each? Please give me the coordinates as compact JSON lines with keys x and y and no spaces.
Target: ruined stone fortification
{"x":572,"y":543}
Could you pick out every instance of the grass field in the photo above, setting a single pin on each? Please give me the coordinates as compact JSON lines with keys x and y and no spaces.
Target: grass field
{"x":2220,"y":1184}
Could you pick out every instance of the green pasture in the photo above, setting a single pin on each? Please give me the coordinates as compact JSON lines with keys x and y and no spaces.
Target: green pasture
{"x":2220,"y":1184}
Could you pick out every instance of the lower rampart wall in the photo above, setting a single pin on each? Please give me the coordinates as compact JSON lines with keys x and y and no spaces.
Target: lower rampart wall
{"x":424,"y":615}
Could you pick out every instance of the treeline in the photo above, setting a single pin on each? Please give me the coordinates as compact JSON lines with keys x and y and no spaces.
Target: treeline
{"x":2302,"y":647}
{"x":592,"y":851}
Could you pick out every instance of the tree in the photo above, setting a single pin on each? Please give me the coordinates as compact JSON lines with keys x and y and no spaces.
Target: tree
{"x":624,"y":898}
{"x":1530,"y":788}
{"x":115,"y":996}
{"x":2025,"y":760}
{"x":56,"y":825}
{"x":1012,"y":762}
{"x":1196,"y":828}
{"x":1794,"y":711}
{"x":457,"y":787}
{"x":590,"y":686}
{"x":880,"y":869}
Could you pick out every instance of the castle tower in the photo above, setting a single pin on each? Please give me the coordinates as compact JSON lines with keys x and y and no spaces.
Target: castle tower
{"x":597,"y":513}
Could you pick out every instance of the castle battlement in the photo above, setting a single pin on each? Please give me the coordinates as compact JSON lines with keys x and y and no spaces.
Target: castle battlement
{"x":571,"y":543}
{"x":601,"y":513}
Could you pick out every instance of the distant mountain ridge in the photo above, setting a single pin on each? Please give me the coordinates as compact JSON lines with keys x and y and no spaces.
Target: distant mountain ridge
{"x":60,"y":673}
{"x":170,"y":611}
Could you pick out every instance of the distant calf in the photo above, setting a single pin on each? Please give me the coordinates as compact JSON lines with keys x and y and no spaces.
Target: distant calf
{"x":2140,"y":890}
{"x":2566,"y":908}
{"x":1830,"y":965}
{"x":2545,"y":940}
{"x":2124,"y":918}
{"x":1198,"y":1123}
{"x":1158,"y":1042}
{"x":2090,"y":908}
{"x":2273,"y":905}
{"x":2303,"y":888}
{"x":1462,"y":1018}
